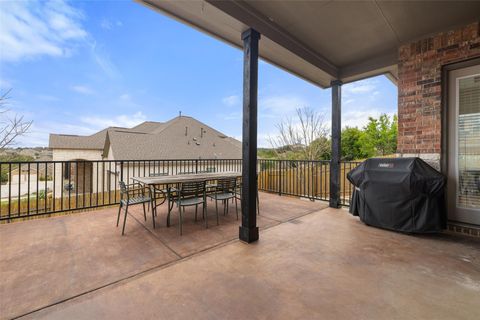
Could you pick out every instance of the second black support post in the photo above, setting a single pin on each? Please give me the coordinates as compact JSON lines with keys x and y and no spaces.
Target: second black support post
{"x":336,"y":144}
{"x":249,"y":229}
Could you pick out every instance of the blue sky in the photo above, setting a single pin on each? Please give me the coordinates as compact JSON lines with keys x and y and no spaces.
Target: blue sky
{"x":77,"y":67}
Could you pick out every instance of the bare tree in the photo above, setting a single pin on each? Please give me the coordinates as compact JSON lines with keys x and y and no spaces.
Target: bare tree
{"x":305,"y":135}
{"x":10,"y":127}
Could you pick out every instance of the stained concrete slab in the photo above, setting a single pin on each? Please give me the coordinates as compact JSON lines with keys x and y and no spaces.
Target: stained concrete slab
{"x":324,"y":265}
{"x":45,"y":261}
{"x":196,"y":237}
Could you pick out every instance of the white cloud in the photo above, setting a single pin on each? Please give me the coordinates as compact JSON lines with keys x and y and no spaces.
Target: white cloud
{"x":281,"y":105}
{"x":108,"y":24}
{"x":360,"y":87}
{"x":231,"y":101}
{"x":359,"y":118}
{"x":31,"y":29}
{"x":231,"y":116}
{"x":83,"y":89}
{"x":102,"y":59}
{"x":47,"y":97}
{"x":125,"y":97}
{"x":39,"y":131}
{"x":38,"y":134}
{"x":117,"y":121}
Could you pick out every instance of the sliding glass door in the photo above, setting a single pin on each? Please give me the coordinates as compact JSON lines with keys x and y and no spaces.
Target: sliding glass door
{"x":464,"y":145}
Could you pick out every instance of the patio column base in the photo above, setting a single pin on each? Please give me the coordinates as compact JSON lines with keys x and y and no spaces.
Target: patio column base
{"x":248,"y":235}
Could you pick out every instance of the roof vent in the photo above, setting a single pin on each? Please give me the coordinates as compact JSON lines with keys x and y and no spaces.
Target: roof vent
{"x":197,"y":143}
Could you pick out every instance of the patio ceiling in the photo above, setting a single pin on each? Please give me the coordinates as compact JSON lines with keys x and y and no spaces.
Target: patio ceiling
{"x":321,"y":41}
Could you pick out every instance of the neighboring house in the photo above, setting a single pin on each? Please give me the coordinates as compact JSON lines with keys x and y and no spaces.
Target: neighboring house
{"x":180,"y":138}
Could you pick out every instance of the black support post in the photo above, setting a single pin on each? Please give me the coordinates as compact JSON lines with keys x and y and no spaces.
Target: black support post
{"x":336,"y":144}
{"x":249,"y":229}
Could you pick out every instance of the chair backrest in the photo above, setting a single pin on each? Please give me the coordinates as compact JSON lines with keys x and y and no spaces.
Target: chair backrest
{"x":192,"y":189}
{"x":227,"y":184}
{"x":123,"y":189}
{"x":158,"y":174}
{"x":186,"y":172}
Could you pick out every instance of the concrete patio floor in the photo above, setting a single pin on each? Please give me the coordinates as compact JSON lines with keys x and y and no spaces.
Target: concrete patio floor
{"x":74,"y":254}
{"x":310,"y":262}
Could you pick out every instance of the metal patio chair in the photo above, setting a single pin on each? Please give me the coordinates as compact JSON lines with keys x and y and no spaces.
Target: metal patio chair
{"x":191,"y":194}
{"x":132,"y":194}
{"x":224,"y":191}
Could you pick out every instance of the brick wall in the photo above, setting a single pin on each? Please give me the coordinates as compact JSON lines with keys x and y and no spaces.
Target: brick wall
{"x":419,"y":87}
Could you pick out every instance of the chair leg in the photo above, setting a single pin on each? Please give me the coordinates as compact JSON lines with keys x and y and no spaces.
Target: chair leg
{"x":119,"y":209}
{"x":196,"y":210}
{"x":236,"y":207}
{"x":125,"y":219}
{"x":205,"y":213}
{"x":169,"y":211}
{"x":154,"y":213}
{"x":154,"y":203}
{"x":180,"y":219}
{"x":216,"y":205}
{"x":144,"y":212}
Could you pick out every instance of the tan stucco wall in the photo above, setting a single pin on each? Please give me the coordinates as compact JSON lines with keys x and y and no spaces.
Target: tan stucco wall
{"x":73,"y":154}
{"x":90,"y":180}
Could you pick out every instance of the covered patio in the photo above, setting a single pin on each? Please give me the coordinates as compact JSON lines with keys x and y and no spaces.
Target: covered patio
{"x":311,"y":259}
{"x":418,"y":45}
{"x":311,"y":262}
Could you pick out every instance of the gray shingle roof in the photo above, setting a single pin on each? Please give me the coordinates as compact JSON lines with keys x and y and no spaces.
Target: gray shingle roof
{"x":180,"y":138}
{"x":66,"y":141}
{"x":148,"y":126}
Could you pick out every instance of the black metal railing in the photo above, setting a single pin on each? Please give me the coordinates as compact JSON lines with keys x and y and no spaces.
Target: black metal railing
{"x":31,"y":189}
{"x":303,"y":178}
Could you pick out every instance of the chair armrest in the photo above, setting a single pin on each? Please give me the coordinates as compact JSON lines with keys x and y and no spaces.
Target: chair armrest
{"x":136,"y":188}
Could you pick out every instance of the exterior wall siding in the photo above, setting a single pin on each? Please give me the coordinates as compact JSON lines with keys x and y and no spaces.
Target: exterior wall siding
{"x":76,"y":154}
{"x":81,"y":176}
{"x":420,"y":88}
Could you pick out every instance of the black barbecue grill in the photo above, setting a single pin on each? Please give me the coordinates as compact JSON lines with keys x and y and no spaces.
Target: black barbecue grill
{"x":402,"y":194}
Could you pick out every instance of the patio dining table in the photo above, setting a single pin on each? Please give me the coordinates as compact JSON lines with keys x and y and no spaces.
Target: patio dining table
{"x":169,"y":180}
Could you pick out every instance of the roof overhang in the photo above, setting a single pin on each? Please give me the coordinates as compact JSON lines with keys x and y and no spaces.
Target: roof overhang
{"x":322,"y":41}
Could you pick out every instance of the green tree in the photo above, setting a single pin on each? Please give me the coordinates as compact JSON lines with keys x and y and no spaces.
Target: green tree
{"x":379,"y":136}
{"x":352,"y":148}
{"x":323,"y":148}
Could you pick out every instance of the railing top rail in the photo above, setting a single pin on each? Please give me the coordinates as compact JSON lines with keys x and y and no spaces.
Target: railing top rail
{"x":155,"y":160}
